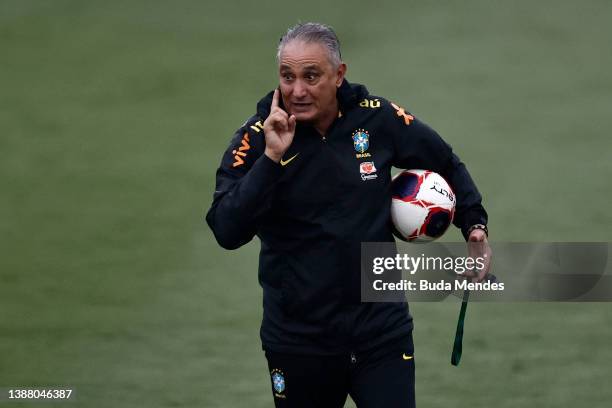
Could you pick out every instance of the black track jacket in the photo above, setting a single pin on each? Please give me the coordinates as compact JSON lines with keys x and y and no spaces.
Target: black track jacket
{"x":312,"y":211}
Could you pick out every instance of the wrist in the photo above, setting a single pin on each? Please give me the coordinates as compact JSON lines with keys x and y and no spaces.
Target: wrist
{"x":481,"y":227}
{"x":273,"y":156}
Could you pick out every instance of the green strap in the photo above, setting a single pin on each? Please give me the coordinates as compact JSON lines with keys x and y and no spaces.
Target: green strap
{"x":458,"y":344}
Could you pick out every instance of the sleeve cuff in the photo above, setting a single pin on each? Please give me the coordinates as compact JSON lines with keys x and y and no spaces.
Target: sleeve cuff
{"x":472,"y":218}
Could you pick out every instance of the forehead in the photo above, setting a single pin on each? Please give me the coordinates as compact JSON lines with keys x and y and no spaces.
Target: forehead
{"x":299,"y":54}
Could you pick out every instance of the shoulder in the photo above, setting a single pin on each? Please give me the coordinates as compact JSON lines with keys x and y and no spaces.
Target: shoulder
{"x":247,"y":144}
{"x":389,"y":112}
{"x":252,"y":128}
{"x":253,"y":125}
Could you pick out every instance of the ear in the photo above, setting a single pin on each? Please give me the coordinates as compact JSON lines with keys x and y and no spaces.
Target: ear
{"x":340,"y":74}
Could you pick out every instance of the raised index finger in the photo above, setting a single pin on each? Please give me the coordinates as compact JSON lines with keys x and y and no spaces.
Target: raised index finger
{"x":275,"y":99}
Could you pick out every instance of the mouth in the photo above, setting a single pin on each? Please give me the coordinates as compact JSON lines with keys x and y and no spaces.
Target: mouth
{"x":301,"y":106}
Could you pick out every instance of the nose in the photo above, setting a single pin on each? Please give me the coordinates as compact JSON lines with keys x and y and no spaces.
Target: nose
{"x":299,"y":89}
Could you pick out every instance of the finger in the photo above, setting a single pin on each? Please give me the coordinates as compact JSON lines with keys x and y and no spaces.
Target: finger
{"x":276,"y":120}
{"x":275,"y":99}
{"x":482,"y":273}
{"x":279,"y":122}
{"x":291,"y":122}
{"x":487,"y":265}
{"x":281,"y":114}
{"x":468,"y":274}
{"x":278,"y":114}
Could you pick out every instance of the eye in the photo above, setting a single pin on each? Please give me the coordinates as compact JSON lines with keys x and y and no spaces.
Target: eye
{"x":312,"y":76}
{"x":287,"y":77}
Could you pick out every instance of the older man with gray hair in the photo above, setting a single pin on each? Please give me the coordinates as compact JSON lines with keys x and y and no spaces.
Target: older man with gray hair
{"x":293,"y":176}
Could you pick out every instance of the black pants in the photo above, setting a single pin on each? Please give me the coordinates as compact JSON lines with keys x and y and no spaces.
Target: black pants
{"x":383,"y":377}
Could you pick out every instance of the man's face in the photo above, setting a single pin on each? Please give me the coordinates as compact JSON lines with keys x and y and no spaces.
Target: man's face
{"x":308,"y":81}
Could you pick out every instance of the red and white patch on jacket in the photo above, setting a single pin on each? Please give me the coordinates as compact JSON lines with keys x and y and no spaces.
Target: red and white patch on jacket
{"x":367,"y":168}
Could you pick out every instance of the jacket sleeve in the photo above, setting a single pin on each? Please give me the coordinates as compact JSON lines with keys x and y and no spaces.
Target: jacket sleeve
{"x":245,"y":183}
{"x":417,"y":146}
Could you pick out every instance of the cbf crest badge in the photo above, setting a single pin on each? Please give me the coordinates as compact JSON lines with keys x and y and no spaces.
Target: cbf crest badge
{"x":361,"y":142}
{"x":278,"y":383}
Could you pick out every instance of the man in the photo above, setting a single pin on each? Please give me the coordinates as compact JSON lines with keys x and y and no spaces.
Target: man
{"x":291,"y":176}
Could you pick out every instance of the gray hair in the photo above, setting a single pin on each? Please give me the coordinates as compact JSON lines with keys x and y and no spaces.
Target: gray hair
{"x":313,"y":33}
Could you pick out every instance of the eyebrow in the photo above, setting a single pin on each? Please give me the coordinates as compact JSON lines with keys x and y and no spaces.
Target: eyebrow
{"x":311,"y":67}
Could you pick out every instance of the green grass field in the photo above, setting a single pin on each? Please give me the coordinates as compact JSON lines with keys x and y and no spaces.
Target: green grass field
{"x":113,"y":118}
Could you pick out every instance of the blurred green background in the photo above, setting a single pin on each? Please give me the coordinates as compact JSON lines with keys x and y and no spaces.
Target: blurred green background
{"x":113,"y":119}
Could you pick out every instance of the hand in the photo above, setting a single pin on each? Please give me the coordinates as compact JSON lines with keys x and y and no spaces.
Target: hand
{"x":279,"y":129}
{"x":478,"y":247}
